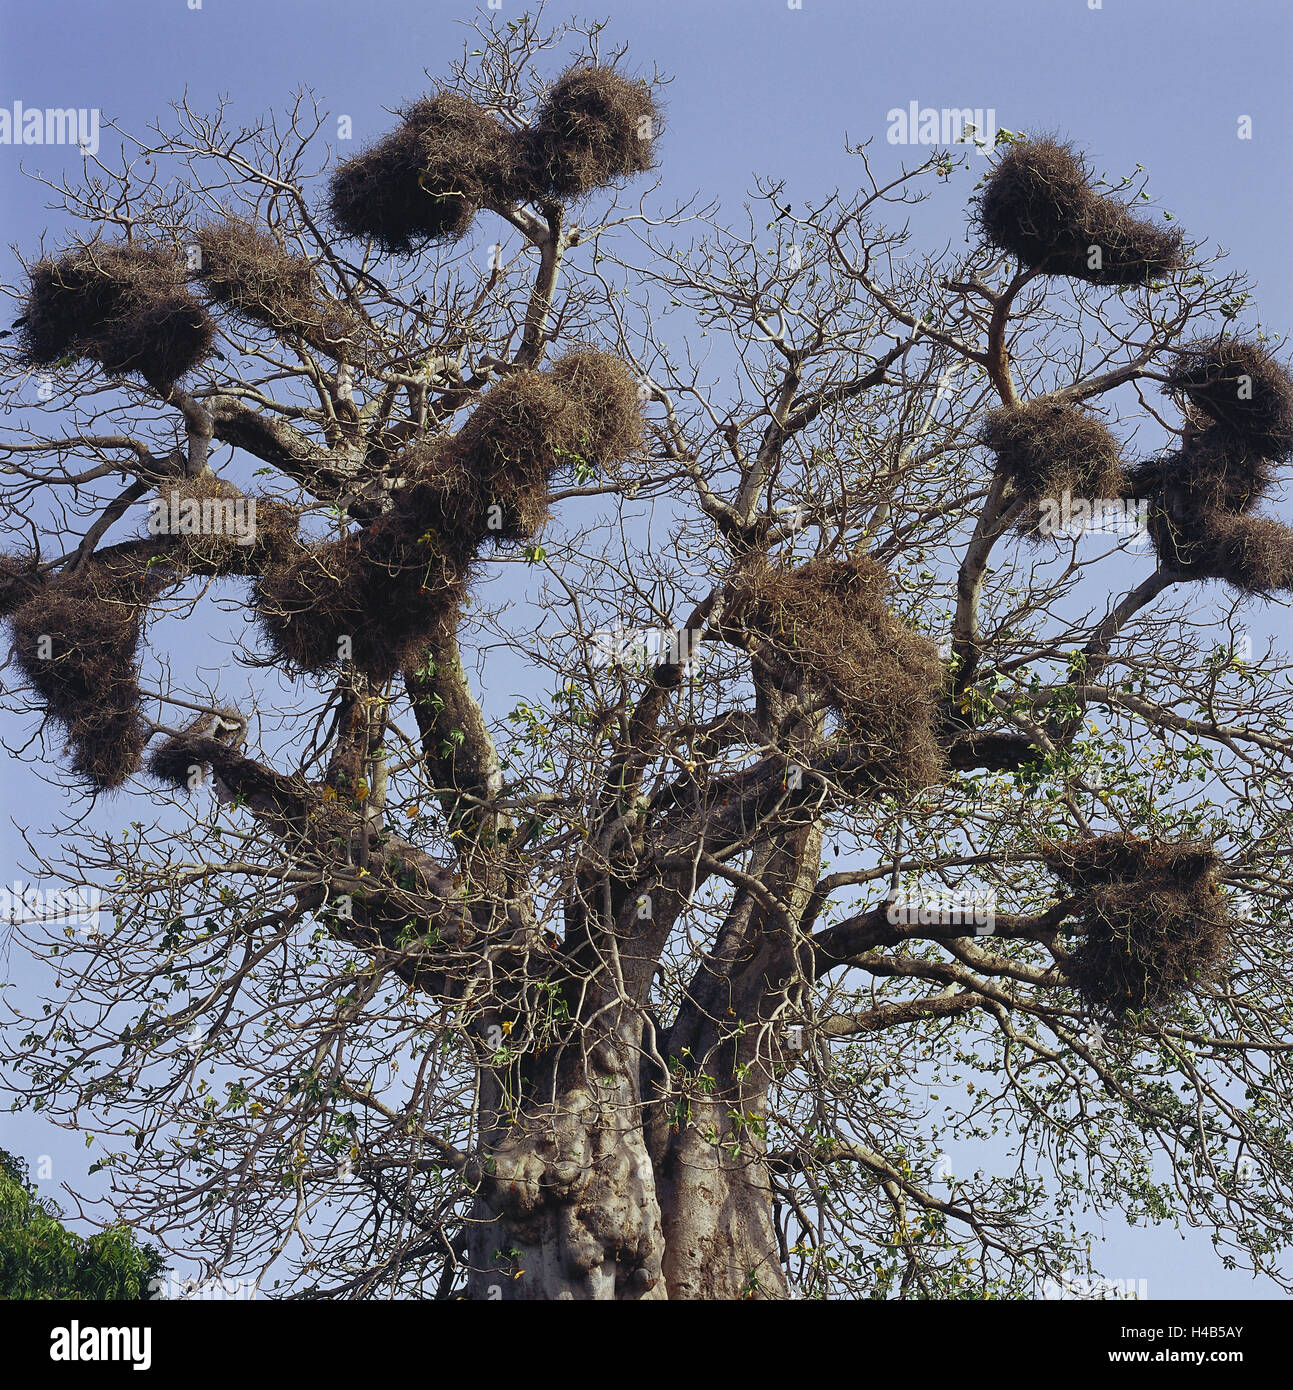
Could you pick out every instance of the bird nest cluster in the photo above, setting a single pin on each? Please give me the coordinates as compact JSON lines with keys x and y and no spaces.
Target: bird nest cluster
{"x":76,"y":639}
{"x":1239,"y":425}
{"x":124,"y":305}
{"x":824,"y":631}
{"x":1154,"y":923}
{"x":372,"y":594}
{"x":1047,"y":448}
{"x":247,"y":270}
{"x":1039,"y":205}
{"x":77,"y":633}
{"x":427,"y":179}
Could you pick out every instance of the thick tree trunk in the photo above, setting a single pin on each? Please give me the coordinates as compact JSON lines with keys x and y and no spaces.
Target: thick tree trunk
{"x":568,"y":1206}
{"x":580,"y":1212}
{"x":716,"y":1208}
{"x":580,"y":1200}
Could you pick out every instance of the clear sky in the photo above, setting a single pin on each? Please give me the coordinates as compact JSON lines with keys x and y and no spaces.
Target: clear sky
{"x":758,"y":87}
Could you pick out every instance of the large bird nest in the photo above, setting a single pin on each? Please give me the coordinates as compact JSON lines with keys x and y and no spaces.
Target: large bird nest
{"x":594,"y":126}
{"x":77,"y":641}
{"x":246,"y":269}
{"x":466,"y":152}
{"x":390,"y":585}
{"x":1039,"y":205}
{"x":1239,"y":422}
{"x":123,"y":305}
{"x":1154,"y":923}
{"x":1213,"y":469}
{"x":1244,"y":388}
{"x":1254,"y":553}
{"x":824,"y":632}
{"x":1046,"y":449}
{"x":219,"y":530}
{"x":378,"y":195}
{"x":371,"y":595}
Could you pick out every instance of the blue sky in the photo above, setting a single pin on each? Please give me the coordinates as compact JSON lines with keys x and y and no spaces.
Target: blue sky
{"x":757,"y":87}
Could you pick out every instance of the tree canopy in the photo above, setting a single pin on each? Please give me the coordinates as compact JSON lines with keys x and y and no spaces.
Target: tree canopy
{"x":633,"y":734}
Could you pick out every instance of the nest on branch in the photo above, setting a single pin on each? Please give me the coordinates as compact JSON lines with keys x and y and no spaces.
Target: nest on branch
{"x":378,"y":195}
{"x":1046,"y":449}
{"x":388,"y":587}
{"x":1245,"y":389}
{"x":245,"y":268}
{"x":77,"y":642}
{"x":1039,"y":206}
{"x":1154,"y":923}
{"x":123,"y":305}
{"x":824,"y":630}
{"x":465,"y":151}
{"x":594,"y":126}
{"x":218,"y":529}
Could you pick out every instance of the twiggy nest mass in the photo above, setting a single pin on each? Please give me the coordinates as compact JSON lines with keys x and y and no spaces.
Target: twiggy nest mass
{"x":246,"y":269}
{"x":1040,"y":207}
{"x":826,"y":630}
{"x":1153,"y":921}
{"x":77,"y":642}
{"x":1046,"y":449}
{"x":123,"y":305}
{"x":594,"y":126}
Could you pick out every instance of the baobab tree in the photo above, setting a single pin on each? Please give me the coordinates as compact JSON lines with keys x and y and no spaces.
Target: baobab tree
{"x":584,"y":812}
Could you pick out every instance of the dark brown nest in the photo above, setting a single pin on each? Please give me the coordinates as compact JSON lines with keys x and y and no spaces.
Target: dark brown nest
{"x":377,"y":194}
{"x":1047,"y":449}
{"x":1254,"y":553}
{"x":1039,"y":206}
{"x":825,"y":630}
{"x":86,"y":672}
{"x":214,"y":548}
{"x":310,"y":599}
{"x":1243,"y":387}
{"x":124,"y":306}
{"x":246,"y":269}
{"x":465,"y":152}
{"x":20,"y":581}
{"x":1105,"y":860}
{"x":387,"y":587}
{"x":524,"y":431}
{"x":594,"y":126}
{"x":1153,"y":921}
{"x":1212,"y":470}
{"x":417,"y":580}
{"x":383,"y":588}
{"x":607,"y":391}
{"x":1144,"y":944}
{"x":1197,"y":539}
